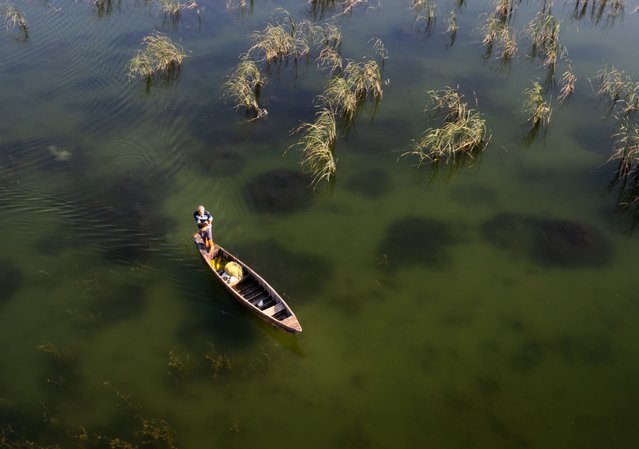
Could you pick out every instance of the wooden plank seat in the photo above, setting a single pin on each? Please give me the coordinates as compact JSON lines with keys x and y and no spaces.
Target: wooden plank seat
{"x":274,"y":309}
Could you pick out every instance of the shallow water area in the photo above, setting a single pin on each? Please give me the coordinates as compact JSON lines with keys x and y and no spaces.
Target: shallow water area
{"x":490,"y":304}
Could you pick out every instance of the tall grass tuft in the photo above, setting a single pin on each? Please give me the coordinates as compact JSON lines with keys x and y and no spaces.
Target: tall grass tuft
{"x":536,"y":108}
{"x":14,"y":18}
{"x":360,"y":80}
{"x":380,"y":49}
{"x":426,"y":15}
{"x":452,"y":27}
{"x":568,"y":81}
{"x":498,"y":34}
{"x":626,"y":154}
{"x":160,"y":56}
{"x":462,"y":132}
{"x":626,"y":149}
{"x":285,"y":38}
{"x":544,"y":30}
{"x":610,"y":9}
{"x":317,"y":144}
{"x":619,"y":89}
{"x":171,"y":8}
{"x":504,"y":9}
{"x":330,"y":59}
{"x":340,"y":97}
{"x":243,"y":87}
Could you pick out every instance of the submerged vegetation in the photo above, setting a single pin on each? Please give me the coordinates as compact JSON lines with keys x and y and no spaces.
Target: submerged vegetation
{"x":461,"y":134}
{"x":160,"y":56}
{"x":14,"y":18}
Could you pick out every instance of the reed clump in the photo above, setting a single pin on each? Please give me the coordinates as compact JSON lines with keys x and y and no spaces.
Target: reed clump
{"x":568,"y":81}
{"x":609,"y":9}
{"x":426,"y":15}
{"x":317,"y":145}
{"x":462,"y":132}
{"x":243,"y":87}
{"x":499,"y":35}
{"x":452,"y":26}
{"x":14,"y":18}
{"x":504,"y":9}
{"x":360,"y":80}
{"x":380,"y":49}
{"x":159,"y":56}
{"x":536,"y":107}
{"x":544,"y":31}
{"x":626,"y":150}
{"x":174,"y":8}
{"x":329,"y":59}
{"x":284,"y":38}
{"x":619,"y":89}
{"x":171,"y":8}
{"x":626,"y":154}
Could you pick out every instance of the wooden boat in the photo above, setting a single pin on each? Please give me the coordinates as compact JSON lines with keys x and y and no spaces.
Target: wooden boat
{"x":251,"y":290}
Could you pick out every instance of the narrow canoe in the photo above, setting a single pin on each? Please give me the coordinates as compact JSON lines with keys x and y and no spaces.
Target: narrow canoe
{"x":252,"y":291}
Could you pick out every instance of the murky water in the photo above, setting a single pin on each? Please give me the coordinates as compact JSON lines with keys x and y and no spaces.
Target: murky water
{"x":494,"y":306}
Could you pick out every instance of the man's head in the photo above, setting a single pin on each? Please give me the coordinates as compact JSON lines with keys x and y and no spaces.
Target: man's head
{"x":201,"y":210}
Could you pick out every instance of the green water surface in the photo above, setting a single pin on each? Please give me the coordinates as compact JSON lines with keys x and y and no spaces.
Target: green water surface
{"x":492,"y":306}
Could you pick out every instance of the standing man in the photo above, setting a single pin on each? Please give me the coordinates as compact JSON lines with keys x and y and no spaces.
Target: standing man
{"x":204,"y":221}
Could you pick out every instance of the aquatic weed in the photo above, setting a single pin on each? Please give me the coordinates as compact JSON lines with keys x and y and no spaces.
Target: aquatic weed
{"x":243,"y":87}
{"x":501,"y":35}
{"x":13,"y":18}
{"x":317,"y":144}
{"x":463,"y":131}
{"x":568,"y":81}
{"x":452,"y":27}
{"x":426,"y":15}
{"x":536,"y":107}
{"x":543,"y":31}
{"x":619,"y":89}
{"x":159,"y":56}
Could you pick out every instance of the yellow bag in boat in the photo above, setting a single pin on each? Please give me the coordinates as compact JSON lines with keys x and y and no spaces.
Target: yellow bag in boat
{"x":233,"y":269}
{"x":218,"y":262}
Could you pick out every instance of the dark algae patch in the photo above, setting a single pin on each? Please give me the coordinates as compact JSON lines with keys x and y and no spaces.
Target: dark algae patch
{"x":10,"y":280}
{"x":547,"y":241}
{"x":279,"y":192}
{"x":418,"y":241}
{"x":273,"y":262}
